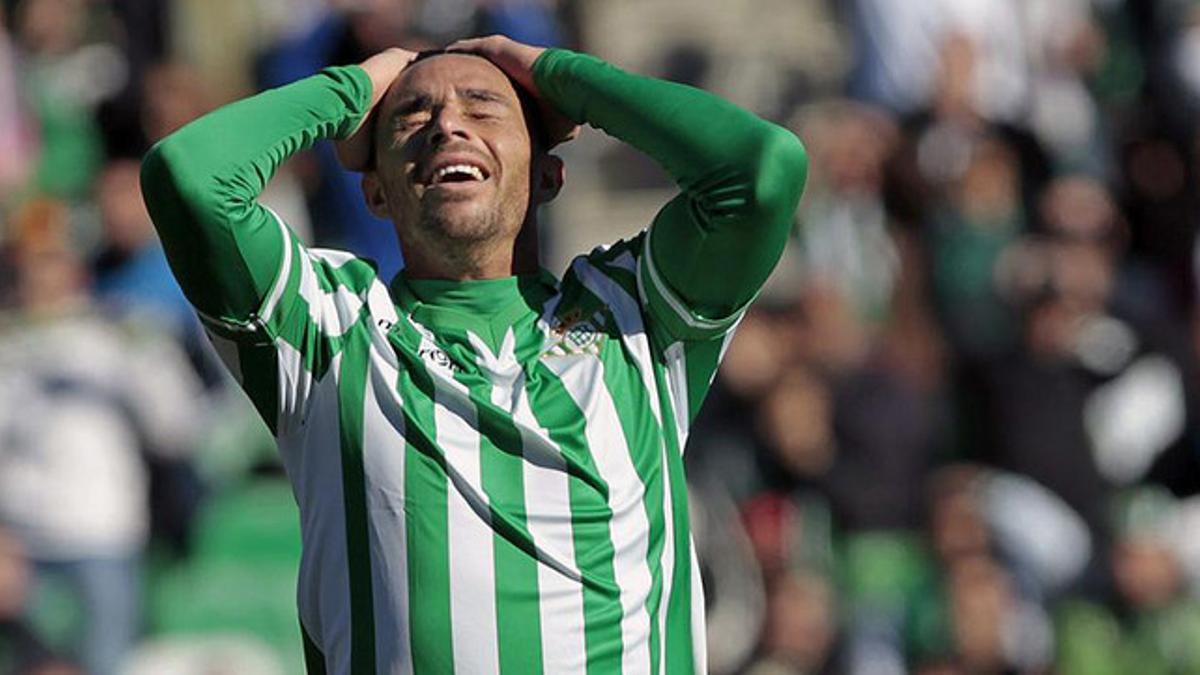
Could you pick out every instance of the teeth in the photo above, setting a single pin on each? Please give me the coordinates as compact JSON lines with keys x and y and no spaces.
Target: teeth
{"x":472,"y":171}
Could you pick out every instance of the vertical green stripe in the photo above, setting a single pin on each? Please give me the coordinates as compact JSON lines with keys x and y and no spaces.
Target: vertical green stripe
{"x":641,"y":433}
{"x":259,"y":365}
{"x":700,"y":363}
{"x":680,"y":658}
{"x":352,"y":382}
{"x":314,"y":660}
{"x":426,"y":526}
{"x":354,"y":274}
{"x":292,"y":321}
{"x":518,"y":619}
{"x":591,"y":517}
{"x":291,"y":289}
{"x":303,"y":334}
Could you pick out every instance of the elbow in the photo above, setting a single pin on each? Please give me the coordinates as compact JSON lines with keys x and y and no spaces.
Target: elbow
{"x":780,"y":171}
{"x":176,"y":190}
{"x":159,"y":188}
{"x":153,"y":169}
{"x":162,"y":168}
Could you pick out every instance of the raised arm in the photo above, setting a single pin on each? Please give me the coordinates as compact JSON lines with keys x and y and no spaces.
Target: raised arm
{"x":741,"y":177}
{"x":202,"y":182}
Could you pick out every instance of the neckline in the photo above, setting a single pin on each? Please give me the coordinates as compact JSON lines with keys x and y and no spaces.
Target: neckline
{"x":486,"y":307}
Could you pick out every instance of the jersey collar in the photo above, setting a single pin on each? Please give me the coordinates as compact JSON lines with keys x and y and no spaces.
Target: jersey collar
{"x":485,"y":306}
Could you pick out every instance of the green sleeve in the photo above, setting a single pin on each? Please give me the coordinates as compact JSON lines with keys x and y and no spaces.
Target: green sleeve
{"x":201,"y":184}
{"x":711,"y":248}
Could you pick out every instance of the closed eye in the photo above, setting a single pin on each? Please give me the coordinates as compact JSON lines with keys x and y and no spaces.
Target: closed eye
{"x":410,"y":121}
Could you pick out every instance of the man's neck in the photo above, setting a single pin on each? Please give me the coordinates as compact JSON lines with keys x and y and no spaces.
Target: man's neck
{"x":476,"y":261}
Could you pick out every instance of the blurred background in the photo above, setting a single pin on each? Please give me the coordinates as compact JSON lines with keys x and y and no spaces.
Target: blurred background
{"x":958,"y":433}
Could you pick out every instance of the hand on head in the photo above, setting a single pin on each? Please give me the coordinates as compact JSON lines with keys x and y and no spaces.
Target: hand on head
{"x":513,"y":58}
{"x":354,"y":152}
{"x":516,"y":60}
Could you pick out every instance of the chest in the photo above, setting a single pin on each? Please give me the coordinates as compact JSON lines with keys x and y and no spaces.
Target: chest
{"x":564,"y":408}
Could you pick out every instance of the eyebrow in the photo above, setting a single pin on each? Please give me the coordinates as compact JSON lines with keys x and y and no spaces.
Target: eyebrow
{"x":483,"y":95}
{"x":412,"y":104}
{"x":420,"y":102}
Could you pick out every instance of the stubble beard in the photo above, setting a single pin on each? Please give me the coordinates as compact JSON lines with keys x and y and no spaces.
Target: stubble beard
{"x":461,"y":224}
{"x":468,"y":235}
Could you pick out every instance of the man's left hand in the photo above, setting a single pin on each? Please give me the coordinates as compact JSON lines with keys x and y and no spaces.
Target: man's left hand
{"x":516,"y":60}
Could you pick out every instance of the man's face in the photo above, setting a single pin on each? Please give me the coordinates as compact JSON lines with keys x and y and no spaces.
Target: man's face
{"x":453,"y":154}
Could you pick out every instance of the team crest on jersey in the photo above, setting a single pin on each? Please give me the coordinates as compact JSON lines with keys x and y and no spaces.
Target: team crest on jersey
{"x":572,"y":334}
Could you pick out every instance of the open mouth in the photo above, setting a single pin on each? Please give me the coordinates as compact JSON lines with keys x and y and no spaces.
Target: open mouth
{"x":455,"y":171}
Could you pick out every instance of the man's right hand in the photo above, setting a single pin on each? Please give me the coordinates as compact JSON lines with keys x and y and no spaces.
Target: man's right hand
{"x":383,"y":68}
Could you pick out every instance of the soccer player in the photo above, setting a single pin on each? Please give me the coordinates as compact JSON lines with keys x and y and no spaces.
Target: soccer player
{"x":487,"y":459}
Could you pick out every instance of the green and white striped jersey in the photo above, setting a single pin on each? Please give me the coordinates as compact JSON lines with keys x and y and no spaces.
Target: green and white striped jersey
{"x":489,"y":474}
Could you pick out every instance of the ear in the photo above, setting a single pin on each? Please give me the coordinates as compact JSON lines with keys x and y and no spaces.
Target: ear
{"x":549,"y":172}
{"x":373,"y":192}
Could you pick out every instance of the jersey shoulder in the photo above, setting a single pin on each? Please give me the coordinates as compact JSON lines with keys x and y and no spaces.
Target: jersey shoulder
{"x":606,"y":275}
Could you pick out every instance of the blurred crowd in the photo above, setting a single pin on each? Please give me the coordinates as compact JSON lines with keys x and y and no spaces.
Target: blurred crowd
{"x":959,"y":432}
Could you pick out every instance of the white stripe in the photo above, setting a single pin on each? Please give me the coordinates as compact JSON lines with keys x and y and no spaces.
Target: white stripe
{"x":295,"y":386}
{"x":333,"y":312}
{"x":469,"y":530}
{"x":380,"y":305}
{"x":725,"y":346}
{"x":384,"y":451}
{"x":628,"y":315}
{"x":502,"y":367}
{"x":678,"y":389}
{"x":629,"y":528}
{"x":384,"y":317}
{"x":675,"y":303}
{"x":285,"y":270}
{"x":699,"y":632}
{"x":669,"y":553}
{"x":315,"y":469}
{"x":547,"y":514}
{"x":548,"y":519}
{"x":629,"y":322}
{"x":668,"y":561}
{"x":227,"y":350}
{"x":625,"y":261}
{"x":332,"y":256}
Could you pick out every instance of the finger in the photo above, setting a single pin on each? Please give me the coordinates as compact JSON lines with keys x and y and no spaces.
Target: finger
{"x":467,"y":45}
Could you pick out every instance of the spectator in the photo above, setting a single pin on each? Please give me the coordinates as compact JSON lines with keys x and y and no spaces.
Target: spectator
{"x":17,"y":141}
{"x":21,"y":651}
{"x":82,"y":398}
{"x":800,"y":637}
{"x":67,"y":74}
{"x":997,"y":260}
{"x":131,"y":271}
{"x":1152,"y":623}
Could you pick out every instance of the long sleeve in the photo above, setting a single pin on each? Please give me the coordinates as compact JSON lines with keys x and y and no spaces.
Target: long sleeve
{"x":202,"y":182}
{"x":741,"y":177}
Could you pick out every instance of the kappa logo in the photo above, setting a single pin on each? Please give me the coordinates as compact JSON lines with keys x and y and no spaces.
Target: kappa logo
{"x":573,"y":335}
{"x":439,"y":358}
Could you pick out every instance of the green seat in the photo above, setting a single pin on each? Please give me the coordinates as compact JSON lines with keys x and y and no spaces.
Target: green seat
{"x":241,"y":577}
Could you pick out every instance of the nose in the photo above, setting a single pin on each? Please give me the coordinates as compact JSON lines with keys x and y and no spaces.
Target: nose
{"x":447,"y":126}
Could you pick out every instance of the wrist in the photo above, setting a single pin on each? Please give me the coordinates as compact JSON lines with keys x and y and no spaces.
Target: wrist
{"x":383,"y":68}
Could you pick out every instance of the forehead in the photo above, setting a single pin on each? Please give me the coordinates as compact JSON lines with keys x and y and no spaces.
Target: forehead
{"x":445,"y":73}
